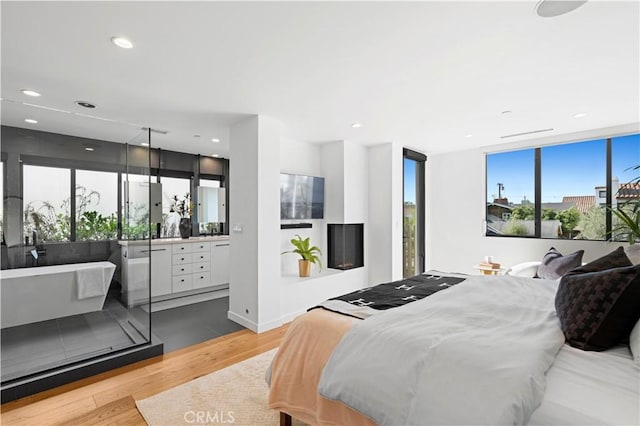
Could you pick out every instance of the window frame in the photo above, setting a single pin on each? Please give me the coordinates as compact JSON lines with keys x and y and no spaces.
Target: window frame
{"x":538,"y":187}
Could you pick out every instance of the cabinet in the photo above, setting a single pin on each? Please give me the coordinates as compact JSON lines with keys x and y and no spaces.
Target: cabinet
{"x":178,"y":268}
{"x":220,"y":262}
{"x":191,"y":265}
{"x":160,"y":270}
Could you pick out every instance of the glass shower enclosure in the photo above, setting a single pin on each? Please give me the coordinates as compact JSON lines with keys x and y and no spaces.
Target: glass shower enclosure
{"x":68,"y":208}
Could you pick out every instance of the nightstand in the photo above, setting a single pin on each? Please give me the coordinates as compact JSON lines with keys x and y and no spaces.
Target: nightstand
{"x":488,"y":271}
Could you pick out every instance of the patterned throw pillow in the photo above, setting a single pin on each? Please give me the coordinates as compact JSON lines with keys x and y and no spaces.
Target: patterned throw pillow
{"x":597,"y":310}
{"x":554,"y":264}
{"x":615,"y":259}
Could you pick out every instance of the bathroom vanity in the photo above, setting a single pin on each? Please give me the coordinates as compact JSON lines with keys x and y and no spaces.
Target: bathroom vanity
{"x":179,"y":268}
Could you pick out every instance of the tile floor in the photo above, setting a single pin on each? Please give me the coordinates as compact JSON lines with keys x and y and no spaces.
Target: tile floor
{"x":191,"y":324}
{"x":37,"y":347}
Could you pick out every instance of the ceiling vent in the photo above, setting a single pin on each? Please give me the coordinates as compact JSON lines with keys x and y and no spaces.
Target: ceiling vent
{"x":525,"y":133}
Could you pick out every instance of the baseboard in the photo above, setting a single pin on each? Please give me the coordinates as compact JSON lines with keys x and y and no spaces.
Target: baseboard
{"x":251,"y":325}
{"x":185,"y":300}
{"x":245,"y":322}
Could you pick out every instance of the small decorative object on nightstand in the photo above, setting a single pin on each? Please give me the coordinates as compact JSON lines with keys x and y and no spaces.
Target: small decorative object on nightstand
{"x":489,"y":267}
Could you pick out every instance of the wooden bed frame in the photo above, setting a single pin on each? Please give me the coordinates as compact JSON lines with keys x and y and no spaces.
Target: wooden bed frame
{"x":285,"y":419}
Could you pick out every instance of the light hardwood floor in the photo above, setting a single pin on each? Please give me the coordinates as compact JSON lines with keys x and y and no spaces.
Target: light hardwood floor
{"x":109,"y":398}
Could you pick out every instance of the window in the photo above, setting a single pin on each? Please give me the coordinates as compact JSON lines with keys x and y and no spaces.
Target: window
{"x":625,"y":185}
{"x":46,"y":205}
{"x":174,"y":192}
{"x":565,"y":188}
{"x":413,"y":212}
{"x":96,"y":205}
{"x":135,"y":207}
{"x":570,"y":174}
{"x":510,"y":193}
{"x":210,"y":183}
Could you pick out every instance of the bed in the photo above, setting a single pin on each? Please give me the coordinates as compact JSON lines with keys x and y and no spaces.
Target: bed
{"x":572,"y":386}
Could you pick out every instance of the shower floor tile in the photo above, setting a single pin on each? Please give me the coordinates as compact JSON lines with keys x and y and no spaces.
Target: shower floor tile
{"x":32,"y":348}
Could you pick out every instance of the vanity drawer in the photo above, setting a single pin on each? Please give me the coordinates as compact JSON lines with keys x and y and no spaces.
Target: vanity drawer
{"x":182,"y":269}
{"x":179,"y":259}
{"x":201,"y":257}
{"x":201,"y":279}
{"x":200,"y":267}
{"x":182,"y":283}
{"x":201,"y":246}
{"x":182,"y":248}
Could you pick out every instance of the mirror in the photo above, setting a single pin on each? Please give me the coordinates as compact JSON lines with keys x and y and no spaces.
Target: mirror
{"x":211,"y":204}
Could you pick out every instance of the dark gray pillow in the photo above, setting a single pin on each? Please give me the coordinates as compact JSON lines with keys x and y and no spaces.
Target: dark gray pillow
{"x":597,"y":310}
{"x":615,"y":259}
{"x":554,"y":265}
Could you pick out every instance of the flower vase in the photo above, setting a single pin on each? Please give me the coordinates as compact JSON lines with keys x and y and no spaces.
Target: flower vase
{"x":185,"y":227}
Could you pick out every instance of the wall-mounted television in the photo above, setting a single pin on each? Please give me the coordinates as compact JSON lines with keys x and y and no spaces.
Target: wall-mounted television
{"x":301,"y":197}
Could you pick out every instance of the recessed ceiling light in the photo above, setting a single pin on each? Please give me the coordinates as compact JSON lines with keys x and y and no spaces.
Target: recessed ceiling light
{"x":552,"y":8}
{"x":89,"y":148}
{"x":122,"y":42}
{"x":468,"y":136}
{"x":144,"y":143}
{"x":85,"y":104}
{"x":216,"y":140}
{"x":30,"y":92}
{"x":356,"y":125}
{"x":31,"y":120}
{"x":580,"y":115}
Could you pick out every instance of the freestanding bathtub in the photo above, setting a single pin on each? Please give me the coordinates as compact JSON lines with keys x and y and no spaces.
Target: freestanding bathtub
{"x":46,"y":292}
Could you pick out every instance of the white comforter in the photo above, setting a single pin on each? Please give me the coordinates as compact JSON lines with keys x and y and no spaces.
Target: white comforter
{"x":476,"y":353}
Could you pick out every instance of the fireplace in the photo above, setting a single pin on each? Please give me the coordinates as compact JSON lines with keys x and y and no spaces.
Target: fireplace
{"x":346,"y":245}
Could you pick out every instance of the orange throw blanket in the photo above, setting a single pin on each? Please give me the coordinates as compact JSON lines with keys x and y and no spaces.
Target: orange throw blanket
{"x":298,"y":365}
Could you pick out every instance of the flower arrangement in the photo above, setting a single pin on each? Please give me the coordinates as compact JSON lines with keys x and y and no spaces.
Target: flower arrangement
{"x":182,"y":206}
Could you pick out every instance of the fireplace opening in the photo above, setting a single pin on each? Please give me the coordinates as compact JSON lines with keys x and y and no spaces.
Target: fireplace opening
{"x":346,"y":245}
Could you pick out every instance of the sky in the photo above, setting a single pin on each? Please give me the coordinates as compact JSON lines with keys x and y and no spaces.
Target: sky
{"x":567,"y":170}
{"x":409,"y":180}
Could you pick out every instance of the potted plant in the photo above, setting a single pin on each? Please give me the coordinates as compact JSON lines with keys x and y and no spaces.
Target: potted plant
{"x":628,"y":214}
{"x":307,"y":252}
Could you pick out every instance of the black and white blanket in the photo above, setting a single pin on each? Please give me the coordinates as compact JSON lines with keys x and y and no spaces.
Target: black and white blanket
{"x":372,"y":300}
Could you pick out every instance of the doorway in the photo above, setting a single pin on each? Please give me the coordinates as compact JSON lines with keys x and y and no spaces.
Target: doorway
{"x":413,"y":215}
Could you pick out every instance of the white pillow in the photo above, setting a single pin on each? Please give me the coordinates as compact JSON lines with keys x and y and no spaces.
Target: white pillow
{"x":524,"y":269}
{"x":634,"y":344}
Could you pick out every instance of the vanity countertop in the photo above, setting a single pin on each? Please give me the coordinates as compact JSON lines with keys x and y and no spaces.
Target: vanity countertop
{"x":160,"y":241}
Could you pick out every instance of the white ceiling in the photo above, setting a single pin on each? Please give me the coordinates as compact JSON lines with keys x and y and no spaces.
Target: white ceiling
{"x":423,"y":74}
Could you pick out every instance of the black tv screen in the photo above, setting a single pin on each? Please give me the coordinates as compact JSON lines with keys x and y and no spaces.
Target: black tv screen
{"x":301,"y":197}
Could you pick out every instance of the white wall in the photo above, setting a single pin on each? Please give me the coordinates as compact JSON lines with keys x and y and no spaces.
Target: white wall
{"x":385,"y":213}
{"x":302,"y":159}
{"x":345,"y":167}
{"x":455,"y":211}
{"x":254,"y":206}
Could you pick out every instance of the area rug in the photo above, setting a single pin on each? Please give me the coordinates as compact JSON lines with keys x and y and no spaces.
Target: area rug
{"x":234,"y":395}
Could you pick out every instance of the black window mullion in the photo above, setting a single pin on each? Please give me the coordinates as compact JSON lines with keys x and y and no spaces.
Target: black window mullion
{"x":538,"y":193}
{"x":119,"y":210}
{"x":609,"y":199}
{"x":72,"y":206}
